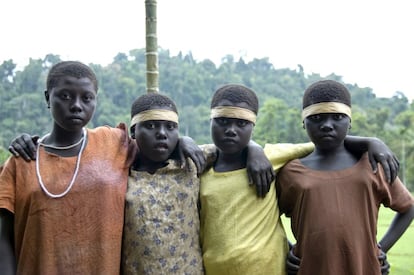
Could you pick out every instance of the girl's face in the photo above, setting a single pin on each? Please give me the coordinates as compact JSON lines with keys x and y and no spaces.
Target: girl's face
{"x":156,"y":139}
{"x":327,"y":130}
{"x":231,"y":135}
{"x":72,"y":102}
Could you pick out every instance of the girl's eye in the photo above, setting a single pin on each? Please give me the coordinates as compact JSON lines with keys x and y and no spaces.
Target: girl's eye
{"x":339,"y":116}
{"x":171,"y":125}
{"x":314,"y":118}
{"x":88,"y":97}
{"x":149,"y":125}
{"x":222,"y":121}
{"x":65,"y":96}
{"x":242,"y":122}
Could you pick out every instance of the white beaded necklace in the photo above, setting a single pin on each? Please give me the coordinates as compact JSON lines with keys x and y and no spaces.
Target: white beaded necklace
{"x":39,"y":177}
{"x":61,"y":147}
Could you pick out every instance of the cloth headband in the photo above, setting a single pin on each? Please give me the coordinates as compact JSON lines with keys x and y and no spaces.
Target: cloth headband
{"x":233,"y":112}
{"x":326,"y":107}
{"x":155,"y":114}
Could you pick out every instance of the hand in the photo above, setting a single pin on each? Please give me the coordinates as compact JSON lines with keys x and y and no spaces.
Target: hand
{"x":259,"y":169}
{"x":24,"y":146}
{"x":292,"y":262}
{"x":385,"y":265}
{"x":188,"y":148}
{"x":378,"y":151}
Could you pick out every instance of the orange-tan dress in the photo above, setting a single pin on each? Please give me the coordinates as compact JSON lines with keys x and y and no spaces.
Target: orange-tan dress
{"x":80,"y":233}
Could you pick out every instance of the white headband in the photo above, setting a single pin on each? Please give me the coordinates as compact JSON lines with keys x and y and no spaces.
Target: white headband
{"x":155,"y":114}
{"x":326,"y":107}
{"x":233,"y":112}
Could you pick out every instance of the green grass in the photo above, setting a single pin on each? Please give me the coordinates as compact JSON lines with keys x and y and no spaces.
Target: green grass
{"x":400,"y":256}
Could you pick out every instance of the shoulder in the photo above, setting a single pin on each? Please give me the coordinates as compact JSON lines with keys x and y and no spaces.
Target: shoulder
{"x":288,"y":148}
{"x":108,"y":130}
{"x":107,"y":133}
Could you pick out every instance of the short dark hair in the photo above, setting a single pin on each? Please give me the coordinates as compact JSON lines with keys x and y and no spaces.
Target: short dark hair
{"x":69,"y":68}
{"x":236,"y":93}
{"x":148,"y":100}
{"x":326,"y":91}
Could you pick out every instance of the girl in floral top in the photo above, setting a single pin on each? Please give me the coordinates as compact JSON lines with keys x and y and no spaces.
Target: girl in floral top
{"x":161,"y":232}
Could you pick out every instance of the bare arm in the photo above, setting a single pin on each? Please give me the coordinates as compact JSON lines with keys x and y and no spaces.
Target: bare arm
{"x":259,"y":169}
{"x":187,"y":147}
{"x":7,"y":257}
{"x":399,"y":224}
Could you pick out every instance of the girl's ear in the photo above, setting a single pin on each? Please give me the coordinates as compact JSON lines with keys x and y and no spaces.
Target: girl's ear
{"x":47,"y":99}
{"x":132,"y":131}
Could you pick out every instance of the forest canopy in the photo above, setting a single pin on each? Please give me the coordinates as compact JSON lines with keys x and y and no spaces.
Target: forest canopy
{"x":190,"y":84}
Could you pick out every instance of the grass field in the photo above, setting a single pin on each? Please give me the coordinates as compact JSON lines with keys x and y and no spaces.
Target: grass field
{"x":401,"y":255}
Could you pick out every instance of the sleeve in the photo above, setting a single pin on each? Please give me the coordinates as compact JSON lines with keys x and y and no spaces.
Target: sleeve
{"x":8,"y":185}
{"x":281,"y":153}
{"x":396,"y":195}
{"x":128,"y":143}
{"x":285,"y":194}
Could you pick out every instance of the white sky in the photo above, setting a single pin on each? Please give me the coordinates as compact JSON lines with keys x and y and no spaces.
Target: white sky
{"x":367,"y":42}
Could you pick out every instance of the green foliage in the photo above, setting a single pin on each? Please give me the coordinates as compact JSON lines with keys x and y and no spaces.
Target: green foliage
{"x":190,"y":84}
{"x":4,"y":154}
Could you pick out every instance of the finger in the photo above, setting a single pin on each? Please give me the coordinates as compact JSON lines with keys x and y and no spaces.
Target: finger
{"x":387,"y":169}
{"x":382,"y":256}
{"x":270,"y":178}
{"x":21,"y":151}
{"x":291,"y":269}
{"x":293,"y":258}
{"x":263,"y":184}
{"x":393,"y":171}
{"x":396,"y":161}
{"x":203,"y":164}
{"x":13,"y":152}
{"x":259,"y":187}
{"x":385,"y":268}
{"x":250,"y":177}
{"x":181,"y":158}
{"x":373,"y":163}
{"x":25,"y":146}
{"x":33,"y":147}
{"x":395,"y":167}
{"x":199,"y":164}
{"x":266,"y":181}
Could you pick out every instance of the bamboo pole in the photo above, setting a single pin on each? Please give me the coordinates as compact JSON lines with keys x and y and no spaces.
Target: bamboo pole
{"x":151,"y":50}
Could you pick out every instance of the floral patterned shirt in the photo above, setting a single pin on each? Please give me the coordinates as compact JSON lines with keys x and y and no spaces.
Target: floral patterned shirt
{"x":161,"y":231}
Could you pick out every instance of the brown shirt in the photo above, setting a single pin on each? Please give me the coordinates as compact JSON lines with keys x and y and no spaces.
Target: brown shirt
{"x":80,"y":233}
{"x":334,"y":215}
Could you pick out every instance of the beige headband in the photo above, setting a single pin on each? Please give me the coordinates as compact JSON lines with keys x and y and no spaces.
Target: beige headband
{"x":326,"y":107}
{"x":233,"y":112}
{"x":155,"y":114}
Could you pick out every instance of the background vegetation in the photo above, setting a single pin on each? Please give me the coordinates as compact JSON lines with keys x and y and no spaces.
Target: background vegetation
{"x":191,"y":84}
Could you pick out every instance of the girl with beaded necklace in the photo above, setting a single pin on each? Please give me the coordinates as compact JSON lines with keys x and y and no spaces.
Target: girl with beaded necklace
{"x":57,"y":214}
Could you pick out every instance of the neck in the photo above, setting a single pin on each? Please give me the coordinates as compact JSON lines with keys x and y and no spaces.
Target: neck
{"x":60,"y":137}
{"x":330,"y":152}
{"x":230,"y":162}
{"x":64,"y":145}
{"x":146,"y":165}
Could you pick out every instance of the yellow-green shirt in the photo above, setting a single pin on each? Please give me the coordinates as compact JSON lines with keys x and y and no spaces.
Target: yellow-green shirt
{"x":240,"y":232}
